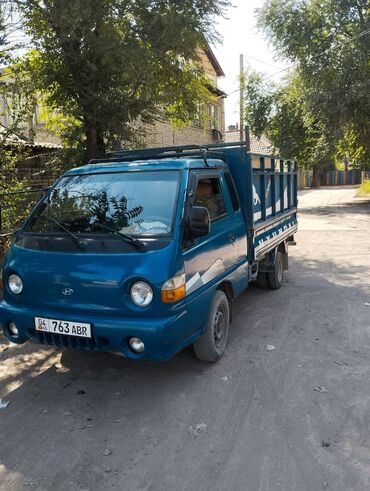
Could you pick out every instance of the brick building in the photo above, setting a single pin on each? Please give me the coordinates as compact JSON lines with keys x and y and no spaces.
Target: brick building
{"x":211,"y":126}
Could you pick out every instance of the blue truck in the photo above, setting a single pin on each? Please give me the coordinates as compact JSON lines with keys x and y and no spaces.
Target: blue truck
{"x":143,"y":253}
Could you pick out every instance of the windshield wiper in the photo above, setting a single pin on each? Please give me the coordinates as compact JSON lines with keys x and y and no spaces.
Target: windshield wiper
{"x":62,"y":227}
{"x":128,"y":238}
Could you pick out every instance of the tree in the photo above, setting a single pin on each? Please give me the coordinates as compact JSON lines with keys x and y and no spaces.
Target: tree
{"x":17,"y":94}
{"x":328,"y":40}
{"x":107,"y":64}
{"x":284,"y":115}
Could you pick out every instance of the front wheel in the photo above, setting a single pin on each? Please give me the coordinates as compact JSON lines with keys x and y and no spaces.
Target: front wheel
{"x":211,"y":346}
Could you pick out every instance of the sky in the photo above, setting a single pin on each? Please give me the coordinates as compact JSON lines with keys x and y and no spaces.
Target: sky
{"x":240,"y":36}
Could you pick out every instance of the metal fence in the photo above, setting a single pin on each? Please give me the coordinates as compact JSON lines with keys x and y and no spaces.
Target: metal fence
{"x":335,"y":178}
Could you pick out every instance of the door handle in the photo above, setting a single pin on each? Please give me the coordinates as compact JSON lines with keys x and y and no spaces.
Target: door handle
{"x":231,"y":238}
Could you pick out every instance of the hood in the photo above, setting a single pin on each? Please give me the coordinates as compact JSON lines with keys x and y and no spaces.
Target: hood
{"x":85,"y":282}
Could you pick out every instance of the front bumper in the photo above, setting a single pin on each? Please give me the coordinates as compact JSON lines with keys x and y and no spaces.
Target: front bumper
{"x":163,"y":337}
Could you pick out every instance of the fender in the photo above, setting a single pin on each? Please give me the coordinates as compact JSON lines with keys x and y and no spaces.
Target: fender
{"x":266,"y":265}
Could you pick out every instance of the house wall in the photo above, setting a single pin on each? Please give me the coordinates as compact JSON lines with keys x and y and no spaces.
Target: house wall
{"x":208,"y":67}
{"x":35,"y":171}
{"x":164,"y":135}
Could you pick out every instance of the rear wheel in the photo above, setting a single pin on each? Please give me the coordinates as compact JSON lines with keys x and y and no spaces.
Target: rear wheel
{"x":276,"y":277}
{"x":262,"y":281}
{"x":211,"y":346}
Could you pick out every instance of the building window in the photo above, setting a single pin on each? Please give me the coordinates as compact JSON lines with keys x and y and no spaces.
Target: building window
{"x":198,"y":120}
{"x":214,"y":117}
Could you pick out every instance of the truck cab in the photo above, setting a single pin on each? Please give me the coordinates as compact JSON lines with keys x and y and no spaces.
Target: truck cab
{"x":140,"y":254}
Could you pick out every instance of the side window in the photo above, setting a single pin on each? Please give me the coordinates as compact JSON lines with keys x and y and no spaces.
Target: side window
{"x":233,"y":194}
{"x":208,"y":194}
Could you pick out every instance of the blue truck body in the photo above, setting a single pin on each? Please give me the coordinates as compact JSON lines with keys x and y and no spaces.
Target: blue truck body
{"x":88,"y":279}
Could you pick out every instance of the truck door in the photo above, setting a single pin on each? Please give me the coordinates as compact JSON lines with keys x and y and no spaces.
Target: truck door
{"x":238,"y":225}
{"x":211,"y":256}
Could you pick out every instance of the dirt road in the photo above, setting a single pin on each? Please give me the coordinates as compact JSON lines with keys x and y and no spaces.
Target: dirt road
{"x":253,"y":422}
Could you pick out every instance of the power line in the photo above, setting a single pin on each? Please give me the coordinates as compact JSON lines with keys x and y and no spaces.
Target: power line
{"x":266,"y":78}
{"x":261,"y":61}
{"x":280,"y":71}
{"x":344,"y":41}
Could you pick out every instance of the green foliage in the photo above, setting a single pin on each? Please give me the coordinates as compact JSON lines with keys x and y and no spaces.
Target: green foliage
{"x":109,"y":63}
{"x":18,"y":104}
{"x":15,"y":207}
{"x":329,"y":42}
{"x":283,"y":114}
{"x":364,"y":189}
{"x":259,"y":102}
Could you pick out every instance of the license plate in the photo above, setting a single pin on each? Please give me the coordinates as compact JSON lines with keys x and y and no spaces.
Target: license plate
{"x":67,"y":328}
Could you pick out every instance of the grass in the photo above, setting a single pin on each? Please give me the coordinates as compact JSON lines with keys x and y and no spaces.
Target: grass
{"x":364,"y":189}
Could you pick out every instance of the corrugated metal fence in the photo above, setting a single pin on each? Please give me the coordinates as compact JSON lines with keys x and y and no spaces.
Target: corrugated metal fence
{"x":335,"y":178}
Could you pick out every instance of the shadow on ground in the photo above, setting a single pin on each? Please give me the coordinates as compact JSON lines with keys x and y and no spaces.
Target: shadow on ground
{"x":362,"y":207}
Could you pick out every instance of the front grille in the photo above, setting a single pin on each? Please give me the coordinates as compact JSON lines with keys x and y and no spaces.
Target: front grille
{"x":92,"y":344}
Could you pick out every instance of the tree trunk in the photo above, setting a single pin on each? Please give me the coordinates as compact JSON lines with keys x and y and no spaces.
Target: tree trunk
{"x":95,"y":145}
{"x":91,"y":142}
{"x":315,"y":177}
{"x":101,"y":144}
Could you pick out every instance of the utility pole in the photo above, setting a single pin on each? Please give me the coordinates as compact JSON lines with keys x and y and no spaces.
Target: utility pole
{"x":241,"y":77}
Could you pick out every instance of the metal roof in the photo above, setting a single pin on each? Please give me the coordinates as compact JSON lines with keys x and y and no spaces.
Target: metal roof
{"x":13,"y":140}
{"x":258,"y":145}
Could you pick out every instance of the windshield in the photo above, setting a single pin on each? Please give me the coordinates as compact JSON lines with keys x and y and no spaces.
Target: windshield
{"x":132,"y":203}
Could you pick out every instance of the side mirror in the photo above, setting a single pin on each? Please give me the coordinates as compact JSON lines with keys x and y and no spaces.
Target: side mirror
{"x":199,"y":221}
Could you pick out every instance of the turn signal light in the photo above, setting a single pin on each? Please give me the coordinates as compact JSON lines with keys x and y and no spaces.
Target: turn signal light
{"x":170,"y":296}
{"x":174,"y":289}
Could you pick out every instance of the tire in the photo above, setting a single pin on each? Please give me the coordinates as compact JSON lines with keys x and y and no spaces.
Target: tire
{"x":262,"y":281}
{"x":276,"y":277}
{"x":211,"y":346}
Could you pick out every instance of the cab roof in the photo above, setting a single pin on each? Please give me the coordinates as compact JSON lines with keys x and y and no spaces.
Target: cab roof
{"x":165,"y":158}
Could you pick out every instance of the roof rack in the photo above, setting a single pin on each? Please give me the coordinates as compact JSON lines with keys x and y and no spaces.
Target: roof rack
{"x":205,"y":152}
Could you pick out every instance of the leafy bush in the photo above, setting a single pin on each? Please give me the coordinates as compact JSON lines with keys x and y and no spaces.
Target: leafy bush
{"x":15,"y":206}
{"x":364,"y":189}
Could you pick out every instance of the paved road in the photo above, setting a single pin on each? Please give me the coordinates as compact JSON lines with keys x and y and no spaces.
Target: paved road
{"x":253,"y":422}
{"x":327,"y":196}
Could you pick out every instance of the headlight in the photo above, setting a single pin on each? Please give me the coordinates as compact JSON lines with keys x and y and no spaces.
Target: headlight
{"x":15,"y":284}
{"x":141,"y":294}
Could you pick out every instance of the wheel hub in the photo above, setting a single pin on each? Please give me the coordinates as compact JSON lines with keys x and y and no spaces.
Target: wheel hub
{"x":219,"y":326}
{"x":280,"y":271}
